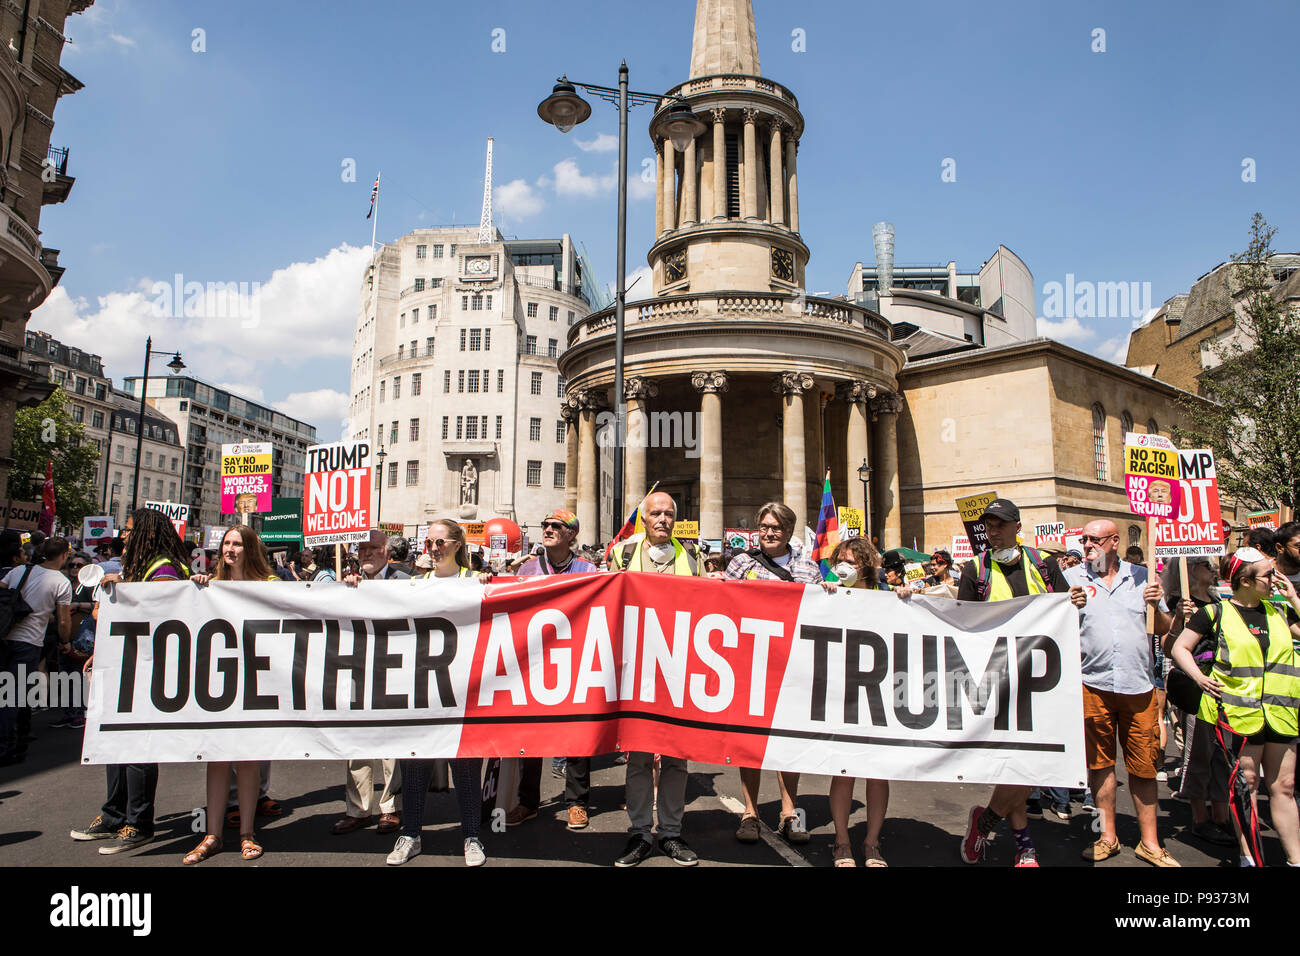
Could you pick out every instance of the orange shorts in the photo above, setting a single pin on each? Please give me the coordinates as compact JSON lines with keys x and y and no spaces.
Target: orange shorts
{"x":1134,"y":719}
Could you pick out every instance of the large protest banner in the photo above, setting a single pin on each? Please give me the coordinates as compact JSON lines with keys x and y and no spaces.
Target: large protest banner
{"x":1197,"y":528}
{"x":762,"y":674}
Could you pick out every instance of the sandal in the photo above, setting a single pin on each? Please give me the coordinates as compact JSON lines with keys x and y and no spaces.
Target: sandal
{"x":747,"y":832}
{"x":266,"y":807}
{"x":791,"y":832}
{"x":872,"y":850}
{"x":232,"y":818}
{"x":842,"y":854}
{"x":249,"y":848}
{"x":211,"y":845}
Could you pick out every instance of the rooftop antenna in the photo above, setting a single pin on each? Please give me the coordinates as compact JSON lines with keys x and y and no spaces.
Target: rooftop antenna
{"x":485,"y":220}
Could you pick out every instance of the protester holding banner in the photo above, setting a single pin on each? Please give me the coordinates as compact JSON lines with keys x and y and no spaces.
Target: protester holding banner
{"x":152,"y":551}
{"x":447,"y":545}
{"x":559,"y":531}
{"x":1005,"y":571}
{"x":1287,"y":539}
{"x":658,"y":553}
{"x":1251,"y":695}
{"x":1119,"y":696}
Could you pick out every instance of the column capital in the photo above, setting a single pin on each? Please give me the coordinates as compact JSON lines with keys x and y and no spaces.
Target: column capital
{"x":659,"y":147}
{"x":891,"y":403}
{"x":751,"y":114}
{"x":856,"y":391}
{"x":792,"y":383}
{"x":586,"y":400}
{"x":719,"y":114}
{"x":568,"y":413}
{"x":709,"y":382}
{"x":637,"y":388}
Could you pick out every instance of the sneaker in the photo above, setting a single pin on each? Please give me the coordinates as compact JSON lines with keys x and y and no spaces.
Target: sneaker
{"x":1089,"y":804}
{"x":975,"y":843}
{"x":128,"y":838}
{"x":98,"y":830}
{"x":475,"y":855}
{"x":1157,"y":857}
{"x":1061,"y":813}
{"x":637,"y":849}
{"x":675,"y":848}
{"x":577,"y":818}
{"x":406,"y":848}
{"x":1162,"y":776}
{"x":1214,"y":834}
{"x":1026,"y":857}
{"x":520,"y":814}
{"x":77,"y":723}
{"x":61,"y":722}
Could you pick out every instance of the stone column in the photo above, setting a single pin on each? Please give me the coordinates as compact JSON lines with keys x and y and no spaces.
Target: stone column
{"x":670,"y":187}
{"x":636,"y":390}
{"x":794,"y":487}
{"x":587,"y":465}
{"x":659,"y":189}
{"x":570,"y":415}
{"x":719,"y":164}
{"x":750,"y":206}
{"x":884,"y":479}
{"x":690,"y":194}
{"x":777,"y":204}
{"x":711,"y":385}
{"x":791,"y":148}
{"x":856,"y":395}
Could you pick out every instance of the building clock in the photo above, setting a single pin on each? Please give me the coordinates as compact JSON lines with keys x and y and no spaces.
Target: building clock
{"x":783,"y":265}
{"x":675,"y":266}
{"x":477,"y":265}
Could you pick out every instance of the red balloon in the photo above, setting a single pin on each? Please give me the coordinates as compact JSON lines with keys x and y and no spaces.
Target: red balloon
{"x":502,"y":534}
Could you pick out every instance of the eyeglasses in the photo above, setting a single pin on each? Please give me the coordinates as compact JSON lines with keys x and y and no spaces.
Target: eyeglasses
{"x":553,"y":526}
{"x":1089,"y":539}
{"x":771,"y":528}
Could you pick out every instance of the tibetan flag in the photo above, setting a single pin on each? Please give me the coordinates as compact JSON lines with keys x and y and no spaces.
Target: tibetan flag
{"x":46,"y":521}
{"x":633,"y":526}
{"x":828,"y":532}
{"x":374,"y":196}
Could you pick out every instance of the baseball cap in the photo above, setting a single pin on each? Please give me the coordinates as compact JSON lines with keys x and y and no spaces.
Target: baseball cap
{"x":1002,"y":509}
{"x":566,"y":518}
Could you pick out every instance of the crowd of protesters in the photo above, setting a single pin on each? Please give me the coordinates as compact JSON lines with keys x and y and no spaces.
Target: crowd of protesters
{"x":1229,"y":648}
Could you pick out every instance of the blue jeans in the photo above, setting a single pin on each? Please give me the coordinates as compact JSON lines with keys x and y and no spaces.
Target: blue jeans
{"x":1060,"y":796}
{"x":15,"y":656}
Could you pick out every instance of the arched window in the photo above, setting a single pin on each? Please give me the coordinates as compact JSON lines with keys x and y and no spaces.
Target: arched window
{"x":1152,"y":427}
{"x":1134,"y":535}
{"x":1099,"y":461}
{"x":1126,"y":422}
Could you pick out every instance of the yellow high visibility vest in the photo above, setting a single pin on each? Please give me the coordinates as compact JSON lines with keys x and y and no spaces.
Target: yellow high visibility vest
{"x":683,"y":561}
{"x":1000,"y":587}
{"x":1254,"y":688}
{"x":181,"y":569}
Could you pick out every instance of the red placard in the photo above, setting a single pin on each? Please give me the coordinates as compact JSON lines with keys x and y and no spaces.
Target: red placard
{"x":1197,"y":530}
{"x":336,"y":499}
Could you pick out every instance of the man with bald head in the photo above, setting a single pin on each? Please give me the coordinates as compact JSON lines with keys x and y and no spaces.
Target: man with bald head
{"x":1119,"y":696}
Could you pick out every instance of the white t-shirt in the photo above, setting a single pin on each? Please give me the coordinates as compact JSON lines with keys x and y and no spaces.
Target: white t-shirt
{"x":43,"y":590}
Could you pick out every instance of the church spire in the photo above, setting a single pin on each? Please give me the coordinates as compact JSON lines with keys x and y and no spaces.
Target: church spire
{"x":725,"y":38}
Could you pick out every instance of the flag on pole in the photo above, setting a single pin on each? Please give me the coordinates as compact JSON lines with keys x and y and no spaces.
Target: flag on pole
{"x":828,"y":532}
{"x":633,"y":526}
{"x":374,"y":196}
{"x":46,"y":521}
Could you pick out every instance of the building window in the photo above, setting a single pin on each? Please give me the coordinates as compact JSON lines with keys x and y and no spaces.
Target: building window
{"x":561,"y":430}
{"x":460,"y":421}
{"x":1099,"y":462}
{"x":554,"y":313}
{"x":499,"y":423}
{"x":535,"y":387}
{"x":462,"y":340}
{"x":552,"y":348}
{"x":446,"y":384}
{"x":487,"y":340}
{"x":383,"y":385}
{"x":476,"y":302}
{"x":415,"y":317}
{"x":444,"y":427}
{"x":97,"y":419}
{"x":534,"y":474}
{"x":412,"y":473}
{"x":501,"y":380}
{"x":392,"y":434}
{"x":483,"y":425}
{"x":148,"y":459}
{"x":532,"y":310}
{"x":397,"y":387}
{"x":437,"y":250}
{"x":101,"y":392}
{"x":559,"y":475}
{"x":1134,"y":535}
{"x":530,"y":345}
{"x":534,"y":429}
{"x":475,"y":340}
{"x":392,"y":474}
{"x":419,"y":285}
{"x":184,"y":406}
{"x":473,"y":380}
{"x":415,"y":429}
{"x":460,"y":380}
{"x":559,"y":387}
{"x":1152,"y":427}
{"x":428,"y":346}
{"x":1126,"y":423}
{"x":415,"y":378}
{"x":146,"y":487}
{"x":401,"y":354}
{"x":570,"y":317}
{"x":471,"y":428}
{"x":420,"y":251}
{"x":78,"y":413}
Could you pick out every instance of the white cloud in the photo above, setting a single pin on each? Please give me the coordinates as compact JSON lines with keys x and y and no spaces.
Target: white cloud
{"x":1114,"y":350}
{"x":1068,"y":329}
{"x":571,"y":181}
{"x":517,"y":198}
{"x":121,"y":40}
{"x":639,"y":285}
{"x":603,"y":143}
{"x":324,"y":408}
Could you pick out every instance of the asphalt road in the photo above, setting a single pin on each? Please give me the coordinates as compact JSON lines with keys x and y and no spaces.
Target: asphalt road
{"x":50,"y":794}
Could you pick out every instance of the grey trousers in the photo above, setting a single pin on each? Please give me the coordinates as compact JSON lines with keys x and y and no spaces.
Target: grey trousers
{"x":359,"y":790}
{"x":640,"y":794}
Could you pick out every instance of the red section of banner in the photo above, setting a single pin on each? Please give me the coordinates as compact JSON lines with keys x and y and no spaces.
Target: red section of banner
{"x":617,"y":646}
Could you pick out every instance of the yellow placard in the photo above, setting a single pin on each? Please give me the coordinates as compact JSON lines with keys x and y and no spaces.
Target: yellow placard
{"x":686,"y":530}
{"x":1152,"y":462}
{"x":852,"y":523}
{"x":972,"y":506}
{"x":913,"y":572}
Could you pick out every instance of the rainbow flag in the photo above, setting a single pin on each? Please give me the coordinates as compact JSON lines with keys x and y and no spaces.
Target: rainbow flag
{"x":828,"y":532}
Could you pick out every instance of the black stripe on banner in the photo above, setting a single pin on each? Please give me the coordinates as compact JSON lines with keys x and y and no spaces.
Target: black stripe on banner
{"x":587,"y":718}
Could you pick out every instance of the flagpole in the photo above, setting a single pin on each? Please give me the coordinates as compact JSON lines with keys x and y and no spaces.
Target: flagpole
{"x":374,"y":220}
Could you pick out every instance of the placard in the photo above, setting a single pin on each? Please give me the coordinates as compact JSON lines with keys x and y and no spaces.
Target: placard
{"x":178,"y":514}
{"x":1151,"y":476}
{"x":1197,"y":529}
{"x":1265,"y":519}
{"x":336,"y":494}
{"x":246,"y":478}
{"x":852,"y":523}
{"x":971,"y":508}
{"x":740,"y":539}
{"x":686,"y":530}
{"x":96,"y":528}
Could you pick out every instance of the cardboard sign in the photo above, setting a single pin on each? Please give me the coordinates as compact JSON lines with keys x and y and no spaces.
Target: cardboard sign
{"x":1264,"y":519}
{"x":1050,"y":534}
{"x":852,"y":523}
{"x":686,"y":530}
{"x":914,"y":571}
{"x":245,"y":478}
{"x":284,"y":524}
{"x":473,"y":531}
{"x":178,"y":514}
{"x":336,"y":496}
{"x":23,"y":515}
{"x":740,"y":539}
{"x":1151,"y":476}
{"x":961,"y":549}
{"x":392,"y":528}
{"x":970,"y":508}
{"x":1197,"y":529}
{"x":212,"y":535}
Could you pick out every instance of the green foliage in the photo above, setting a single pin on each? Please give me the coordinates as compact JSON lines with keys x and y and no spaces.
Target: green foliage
{"x":44,"y":433}
{"x":1254,"y":424}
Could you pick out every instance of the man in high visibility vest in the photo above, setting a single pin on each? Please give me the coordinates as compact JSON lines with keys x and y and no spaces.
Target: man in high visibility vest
{"x":1005,"y":571}
{"x":657,"y":553}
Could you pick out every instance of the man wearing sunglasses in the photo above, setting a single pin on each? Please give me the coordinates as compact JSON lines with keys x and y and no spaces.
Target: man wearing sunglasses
{"x":1007,"y":570}
{"x":559,"y":531}
{"x":1119,"y":697}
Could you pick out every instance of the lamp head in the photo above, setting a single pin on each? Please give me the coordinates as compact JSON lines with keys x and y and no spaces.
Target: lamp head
{"x":564,"y":108}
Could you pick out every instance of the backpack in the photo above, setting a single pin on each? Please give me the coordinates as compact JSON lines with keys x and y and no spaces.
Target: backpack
{"x":13,"y":607}
{"x":1180,"y":690}
{"x":983,"y":582}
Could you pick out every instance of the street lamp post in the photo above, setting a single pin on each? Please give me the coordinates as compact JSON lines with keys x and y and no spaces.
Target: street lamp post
{"x":175,"y":365}
{"x":565,"y":109}
{"x":379,"y":509}
{"x":864,"y":476}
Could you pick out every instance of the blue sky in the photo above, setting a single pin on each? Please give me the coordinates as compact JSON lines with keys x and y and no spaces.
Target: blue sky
{"x":227,"y":164}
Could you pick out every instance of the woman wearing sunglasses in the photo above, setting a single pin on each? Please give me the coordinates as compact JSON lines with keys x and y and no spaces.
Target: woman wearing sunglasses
{"x":445,"y":543}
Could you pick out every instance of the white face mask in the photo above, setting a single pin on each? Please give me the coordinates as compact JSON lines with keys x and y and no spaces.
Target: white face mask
{"x":1006,"y":555}
{"x":660,"y":553}
{"x":847,"y":574}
